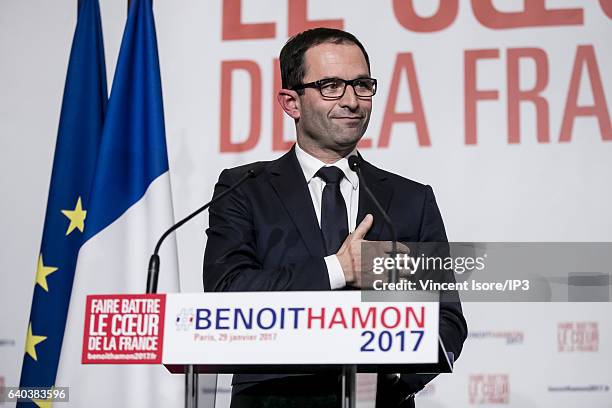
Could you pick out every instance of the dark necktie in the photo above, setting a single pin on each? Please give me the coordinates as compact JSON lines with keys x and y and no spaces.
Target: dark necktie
{"x":334,"y":221}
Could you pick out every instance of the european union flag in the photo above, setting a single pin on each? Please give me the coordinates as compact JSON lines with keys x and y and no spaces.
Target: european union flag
{"x":76,"y":152}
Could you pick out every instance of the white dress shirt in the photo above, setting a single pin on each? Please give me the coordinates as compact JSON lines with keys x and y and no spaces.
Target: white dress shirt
{"x":349,"y":187}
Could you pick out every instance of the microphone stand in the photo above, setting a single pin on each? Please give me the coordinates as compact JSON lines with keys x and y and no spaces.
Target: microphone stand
{"x":350,"y":376}
{"x":355,"y":166}
{"x":191,"y":372}
{"x":153,"y":271}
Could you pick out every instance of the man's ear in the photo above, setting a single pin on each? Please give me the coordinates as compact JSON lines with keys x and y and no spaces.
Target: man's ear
{"x":290,"y":102}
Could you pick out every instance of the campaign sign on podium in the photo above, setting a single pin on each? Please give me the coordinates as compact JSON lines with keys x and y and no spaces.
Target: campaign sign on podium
{"x":258,"y":328}
{"x":124,"y":329}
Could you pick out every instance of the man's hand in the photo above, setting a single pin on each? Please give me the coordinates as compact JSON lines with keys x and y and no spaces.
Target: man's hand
{"x":349,"y":253}
{"x":350,"y":256}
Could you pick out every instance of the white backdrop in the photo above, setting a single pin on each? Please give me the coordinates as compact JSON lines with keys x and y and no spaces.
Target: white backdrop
{"x":493,"y":190}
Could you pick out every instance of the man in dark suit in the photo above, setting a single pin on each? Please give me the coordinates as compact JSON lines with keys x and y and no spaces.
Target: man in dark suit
{"x":288,"y":228}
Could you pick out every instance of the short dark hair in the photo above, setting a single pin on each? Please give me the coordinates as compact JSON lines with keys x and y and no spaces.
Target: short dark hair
{"x":292,"y":54}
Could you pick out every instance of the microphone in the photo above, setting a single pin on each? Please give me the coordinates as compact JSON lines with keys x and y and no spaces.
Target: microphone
{"x":355,"y":166}
{"x":153,"y":271}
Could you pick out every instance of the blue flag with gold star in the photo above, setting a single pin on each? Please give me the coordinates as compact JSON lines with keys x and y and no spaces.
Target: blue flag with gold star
{"x":78,"y":139}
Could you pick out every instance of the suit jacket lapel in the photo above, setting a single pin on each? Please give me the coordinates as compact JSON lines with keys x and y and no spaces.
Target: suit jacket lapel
{"x":375,"y":179}
{"x":288,"y":181}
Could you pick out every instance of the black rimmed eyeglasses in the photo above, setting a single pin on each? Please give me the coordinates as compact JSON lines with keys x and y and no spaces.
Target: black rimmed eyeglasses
{"x":334,"y":88}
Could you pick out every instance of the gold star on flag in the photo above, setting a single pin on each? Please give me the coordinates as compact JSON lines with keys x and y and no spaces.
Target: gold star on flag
{"x":76,"y":217}
{"x":42,"y":403}
{"x":42,"y":272}
{"x":32,"y":341}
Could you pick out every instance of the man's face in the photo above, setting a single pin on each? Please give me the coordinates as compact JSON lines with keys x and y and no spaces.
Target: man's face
{"x":333,"y":124}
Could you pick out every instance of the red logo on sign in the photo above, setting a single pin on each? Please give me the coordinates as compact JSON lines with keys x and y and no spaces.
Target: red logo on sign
{"x":489,"y":389}
{"x":578,"y":336}
{"x":124,"y":329}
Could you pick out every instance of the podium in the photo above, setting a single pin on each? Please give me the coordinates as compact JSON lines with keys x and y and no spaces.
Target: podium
{"x":265,"y":332}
